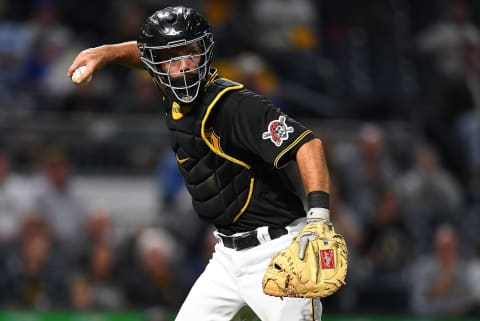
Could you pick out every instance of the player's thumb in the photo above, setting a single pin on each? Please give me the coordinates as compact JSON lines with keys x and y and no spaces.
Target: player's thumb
{"x":302,"y":246}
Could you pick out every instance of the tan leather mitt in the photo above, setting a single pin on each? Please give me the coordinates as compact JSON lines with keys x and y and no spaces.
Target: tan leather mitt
{"x":314,"y":265}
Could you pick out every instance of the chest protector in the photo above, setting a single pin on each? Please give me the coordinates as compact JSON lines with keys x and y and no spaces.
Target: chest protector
{"x":220,"y":185}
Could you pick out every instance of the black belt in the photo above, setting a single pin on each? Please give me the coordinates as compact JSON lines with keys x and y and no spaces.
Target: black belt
{"x":250,"y":239}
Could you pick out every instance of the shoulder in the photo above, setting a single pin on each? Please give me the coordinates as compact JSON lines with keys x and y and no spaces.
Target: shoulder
{"x":237,"y":91}
{"x":246,"y":101}
{"x":233,"y":101}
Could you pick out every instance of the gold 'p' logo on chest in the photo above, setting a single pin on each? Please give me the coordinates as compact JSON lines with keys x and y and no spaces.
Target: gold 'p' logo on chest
{"x":179,"y":111}
{"x":214,"y":139}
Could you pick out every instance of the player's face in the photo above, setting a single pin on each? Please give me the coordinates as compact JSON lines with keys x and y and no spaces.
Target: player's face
{"x":180,"y":61}
{"x":178,"y":70}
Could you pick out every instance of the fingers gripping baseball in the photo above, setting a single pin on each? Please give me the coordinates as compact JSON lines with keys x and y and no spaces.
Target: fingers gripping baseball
{"x":90,"y":60}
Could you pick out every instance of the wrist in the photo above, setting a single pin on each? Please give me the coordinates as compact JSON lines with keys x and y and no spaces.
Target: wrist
{"x":318,"y":214}
{"x":318,"y":206}
{"x":318,"y":199}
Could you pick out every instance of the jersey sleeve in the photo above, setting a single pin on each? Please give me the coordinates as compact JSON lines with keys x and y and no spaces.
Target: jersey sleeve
{"x":261,"y":128}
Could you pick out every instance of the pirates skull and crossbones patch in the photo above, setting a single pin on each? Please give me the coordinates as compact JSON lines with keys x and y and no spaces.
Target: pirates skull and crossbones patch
{"x":278,"y":131}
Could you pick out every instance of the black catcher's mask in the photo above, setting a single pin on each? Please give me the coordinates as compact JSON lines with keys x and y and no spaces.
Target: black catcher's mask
{"x":173,"y":34}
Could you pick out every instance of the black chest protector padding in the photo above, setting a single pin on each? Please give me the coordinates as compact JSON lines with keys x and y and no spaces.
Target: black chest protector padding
{"x":220,"y":185}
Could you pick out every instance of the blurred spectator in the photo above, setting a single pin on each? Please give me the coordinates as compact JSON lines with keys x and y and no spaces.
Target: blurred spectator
{"x":346,"y":220}
{"x":15,"y":48}
{"x":453,"y":43}
{"x":99,"y":233}
{"x":176,"y":212}
{"x":285,"y":25}
{"x":53,"y":45}
{"x":57,"y":202}
{"x":81,"y":298}
{"x":466,"y":124}
{"x":367,"y":171}
{"x":440,"y":124}
{"x":198,"y":258}
{"x":100,"y":227}
{"x":107,"y":294}
{"x":254,"y":72}
{"x":152,"y":282}
{"x":469,"y":226}
{"x":445,"y":39}
{"x":228,"y":21}
{"x":169,"y":180}
{"x":286,"y":33}
{"x":34,"y":276}
{"x":142,"y":97}
{"x":430,"y":195}
{"x":347,"y":224}
{"x":13,"y":198}
{"x":439,"y":284}
{"x":386,"y":256}
{"x":102,"y":280}
{"x":473,"y":274}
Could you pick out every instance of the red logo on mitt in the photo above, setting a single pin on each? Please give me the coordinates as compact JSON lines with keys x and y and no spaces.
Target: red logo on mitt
{"x":327,"y":258}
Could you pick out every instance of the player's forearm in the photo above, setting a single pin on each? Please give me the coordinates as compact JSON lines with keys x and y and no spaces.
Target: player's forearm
{"x":94,"y":59}
{"x":313,"y":166}
{"x":125,"y":53}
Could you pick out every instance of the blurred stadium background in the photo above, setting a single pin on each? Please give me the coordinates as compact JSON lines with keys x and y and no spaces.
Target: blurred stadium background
{"x":94,"y":220}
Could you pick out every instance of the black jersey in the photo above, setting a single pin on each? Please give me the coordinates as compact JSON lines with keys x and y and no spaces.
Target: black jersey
{"x":245,"y":126}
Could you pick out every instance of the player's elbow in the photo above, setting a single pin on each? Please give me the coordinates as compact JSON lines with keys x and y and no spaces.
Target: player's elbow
{"x":310,"y":149}
{"x":314,"y":145}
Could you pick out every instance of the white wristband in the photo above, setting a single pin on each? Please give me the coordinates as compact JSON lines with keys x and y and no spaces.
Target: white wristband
{"x":318,"y":213}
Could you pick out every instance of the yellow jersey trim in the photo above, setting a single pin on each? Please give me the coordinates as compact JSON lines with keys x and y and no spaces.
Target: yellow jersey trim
{"x":289,"y":147}
{"x":221,"y":153}
{"x":212,"y":78}
{"x":249,"y":197}
{"x":181,"y":160}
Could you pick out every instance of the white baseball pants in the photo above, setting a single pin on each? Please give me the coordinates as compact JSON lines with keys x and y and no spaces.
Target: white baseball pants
{"x":233,"y":279}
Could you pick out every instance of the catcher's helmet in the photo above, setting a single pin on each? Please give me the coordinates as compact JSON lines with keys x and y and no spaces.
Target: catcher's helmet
{"x":167,"y":37}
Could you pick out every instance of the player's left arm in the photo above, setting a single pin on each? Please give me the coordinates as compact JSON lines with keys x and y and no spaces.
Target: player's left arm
{"x":315,"y":264}
{"x":313,"y":166}
{"x":313,"y":170}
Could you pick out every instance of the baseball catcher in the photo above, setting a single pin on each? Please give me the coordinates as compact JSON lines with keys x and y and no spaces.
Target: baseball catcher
{"x":232,"y":147}
{"x":314,"y":265}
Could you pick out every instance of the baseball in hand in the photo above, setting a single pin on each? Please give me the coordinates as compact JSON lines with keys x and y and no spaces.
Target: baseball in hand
{"x":78,"y":73}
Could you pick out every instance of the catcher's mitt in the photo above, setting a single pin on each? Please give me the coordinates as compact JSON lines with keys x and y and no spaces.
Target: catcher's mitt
{"x":314,"y":265}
